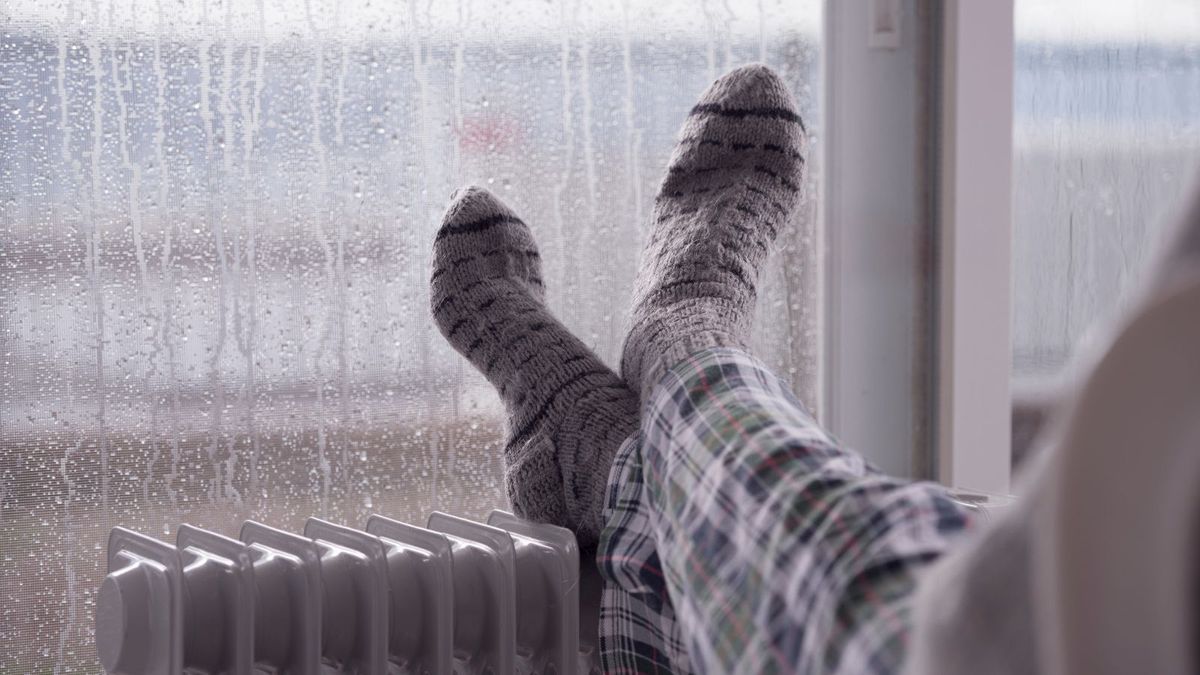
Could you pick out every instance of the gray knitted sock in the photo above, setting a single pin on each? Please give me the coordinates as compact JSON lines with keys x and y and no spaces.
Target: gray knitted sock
{"x":567,"y":412}
{"x":733,"y":181}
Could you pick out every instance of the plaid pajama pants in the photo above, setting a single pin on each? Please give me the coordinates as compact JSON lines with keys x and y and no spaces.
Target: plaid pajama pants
{"x":740,"y":537}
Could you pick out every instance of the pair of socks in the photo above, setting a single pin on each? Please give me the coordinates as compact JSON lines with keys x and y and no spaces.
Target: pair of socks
{"x":732,"y":184}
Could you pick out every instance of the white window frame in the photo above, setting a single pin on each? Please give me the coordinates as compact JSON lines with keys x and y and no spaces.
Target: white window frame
{"x":886,"y":188}
{"x":975,"y":370}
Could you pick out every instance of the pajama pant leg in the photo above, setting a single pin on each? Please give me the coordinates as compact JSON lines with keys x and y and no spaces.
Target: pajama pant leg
{"x":780,"y":550}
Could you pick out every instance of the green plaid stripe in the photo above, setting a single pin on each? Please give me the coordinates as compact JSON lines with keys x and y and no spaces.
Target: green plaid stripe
{"x":782,"y":551}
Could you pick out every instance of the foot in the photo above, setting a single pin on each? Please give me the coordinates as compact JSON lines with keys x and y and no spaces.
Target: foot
{"x":567,"y":412}
{"x":733,"y":182}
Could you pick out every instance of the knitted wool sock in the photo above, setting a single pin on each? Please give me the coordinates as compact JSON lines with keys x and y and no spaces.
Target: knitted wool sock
{"x":733,"y":181}
{"x":567,"y":412}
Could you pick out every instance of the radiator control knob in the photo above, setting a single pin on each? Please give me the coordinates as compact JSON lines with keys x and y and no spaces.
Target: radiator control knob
{"x":123,"y":621}
{"x":138,"y":608}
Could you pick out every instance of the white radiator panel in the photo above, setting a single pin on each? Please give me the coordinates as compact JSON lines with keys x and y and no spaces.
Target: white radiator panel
{"x":456,"y":597}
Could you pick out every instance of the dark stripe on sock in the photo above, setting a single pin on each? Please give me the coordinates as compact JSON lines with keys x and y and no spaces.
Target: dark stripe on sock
{"x":783,"y":181}
{"x":763,"y":193}
{"x":469,"y":287}
{"x":528,"y":427}
{"x":603,"y":411}
{"x":476,"y":225}
{"x":747,"y":210}
{"x":573,"y":359}
{"x":480,"y":282}
{"x":676,"y":170}
{"x":737,"y":247}
{"x":454,"y":329}
{"x":716,"y":188}
{"x":762,"y":169}
{"x":784,"y":151}
{"x":737,"y":272}
{"x":743,"y":146}
{"x":525,"y":362}
{"x":473,"y":346}
{"x":529,"y":253}
{"x":491,"y":364}
{"x":505,"y":321}
{"x":665,"y":288}
{"x":742,"y":113}
{"x":514,"y":342}
{"x":518,"y":368}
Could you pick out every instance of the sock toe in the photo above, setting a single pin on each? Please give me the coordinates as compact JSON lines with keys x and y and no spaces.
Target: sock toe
{"x":749,"y":89}
{"x":481,"y":242}
{"x":472,"y":202}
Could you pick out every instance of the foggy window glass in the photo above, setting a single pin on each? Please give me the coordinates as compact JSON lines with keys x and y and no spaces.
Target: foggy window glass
{"x":1107,"y":140}
{"x":215,"y":225}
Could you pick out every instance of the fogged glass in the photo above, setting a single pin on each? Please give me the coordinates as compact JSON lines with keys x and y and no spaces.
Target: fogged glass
{"x":216,"y":223}
{"x":1107,"y":140}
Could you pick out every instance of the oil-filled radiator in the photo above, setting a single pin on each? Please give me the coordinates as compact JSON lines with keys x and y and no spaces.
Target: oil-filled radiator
{"x":455,"y":596}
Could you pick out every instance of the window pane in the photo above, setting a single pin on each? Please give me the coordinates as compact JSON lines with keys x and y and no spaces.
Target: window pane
{"x":216,"y":220}
{"x":1106,"y":140}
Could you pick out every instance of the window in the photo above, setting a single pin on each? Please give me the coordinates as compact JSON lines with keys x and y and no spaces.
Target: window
{"x":1107,"y":129}
{"x":215,"y":222}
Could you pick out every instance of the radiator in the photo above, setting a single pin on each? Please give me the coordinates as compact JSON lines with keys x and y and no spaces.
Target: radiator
{"x":456,"y":596}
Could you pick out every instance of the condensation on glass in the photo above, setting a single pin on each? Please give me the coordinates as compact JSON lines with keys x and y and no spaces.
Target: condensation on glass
{"x":1106,"y":142}
{"x":216,"y":222}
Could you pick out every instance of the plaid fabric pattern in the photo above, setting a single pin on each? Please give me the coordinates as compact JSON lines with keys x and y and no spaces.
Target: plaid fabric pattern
{"x":740,"y":529}
{"x":638,"y":632}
